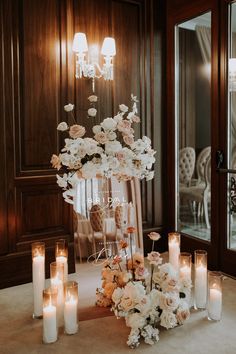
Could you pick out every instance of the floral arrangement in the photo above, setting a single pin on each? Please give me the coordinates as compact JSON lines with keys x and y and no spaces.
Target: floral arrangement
{"x":112,"y":151}
{"x":145,"y":301}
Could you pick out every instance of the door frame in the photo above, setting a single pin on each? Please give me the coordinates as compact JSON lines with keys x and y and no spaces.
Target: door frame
{"x":227,"y":257}
{"x":179,"y":11}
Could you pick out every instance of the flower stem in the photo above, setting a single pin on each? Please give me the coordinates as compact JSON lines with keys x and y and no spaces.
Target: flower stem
{"x":152,"y":269}
{"x":131,"y":254}
{"x":153,"y":245}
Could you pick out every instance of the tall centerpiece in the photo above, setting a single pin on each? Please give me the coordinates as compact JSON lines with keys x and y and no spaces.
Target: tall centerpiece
{"x":111,"y":151}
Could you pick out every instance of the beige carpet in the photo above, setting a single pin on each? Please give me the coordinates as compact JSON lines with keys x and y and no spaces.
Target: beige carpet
{"x":20,"y":334}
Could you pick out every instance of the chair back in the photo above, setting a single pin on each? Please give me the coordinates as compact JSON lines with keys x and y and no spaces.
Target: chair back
{"x":201,"y":163}
{"x":186,"y":164}
{"x":97,"y":215}
{"x":208,"y":173}
{"x":120,"y":215}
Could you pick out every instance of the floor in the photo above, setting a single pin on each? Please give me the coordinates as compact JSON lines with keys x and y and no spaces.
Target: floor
{"x":20,"y":334}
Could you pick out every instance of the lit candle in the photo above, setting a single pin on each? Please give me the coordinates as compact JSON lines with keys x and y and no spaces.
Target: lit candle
{"x":38,"y":272}
{"x":200,"y":292}
{"x":49,"y":324}
{"x":70,"y":315}
{"x":61,"y":254}
{"x":174,"y":249}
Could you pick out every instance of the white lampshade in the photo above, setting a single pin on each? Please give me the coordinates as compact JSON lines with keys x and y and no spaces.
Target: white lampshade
{"x":108,"y":47}
{"x":80,"y":44}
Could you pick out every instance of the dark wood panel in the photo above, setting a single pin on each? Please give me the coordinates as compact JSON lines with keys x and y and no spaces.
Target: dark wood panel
{"x":39,"y":79}
{"x":3,"y":190}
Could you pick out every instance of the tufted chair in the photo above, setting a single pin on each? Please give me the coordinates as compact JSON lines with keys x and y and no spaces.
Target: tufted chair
{"x":200,"y":193}
{"x":201,"y":164}
{"x":186,"y":165}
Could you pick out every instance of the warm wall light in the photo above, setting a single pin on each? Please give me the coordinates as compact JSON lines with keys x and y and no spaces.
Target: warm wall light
{"x":232,"y":74}
{"x":90,"y":67}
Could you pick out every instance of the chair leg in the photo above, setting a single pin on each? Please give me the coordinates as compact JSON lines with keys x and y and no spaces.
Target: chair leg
{"x":80,"y":252}
{"x":205,"y":207}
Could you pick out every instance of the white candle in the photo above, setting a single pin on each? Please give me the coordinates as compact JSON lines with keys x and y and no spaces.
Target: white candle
{"x":49,"y":324}
{"x":58,"y":284}
{"x":70,"y":316}
{"x":64,"y":261}
{"x":174,"y":251}
{"x":215,"y":304}
{"x":200,"y":291}
{"x":38,"y":284}
{"x":185,"y":272}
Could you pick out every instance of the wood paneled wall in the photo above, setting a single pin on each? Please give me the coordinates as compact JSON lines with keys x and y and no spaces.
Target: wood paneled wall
{"x":37,"y":78}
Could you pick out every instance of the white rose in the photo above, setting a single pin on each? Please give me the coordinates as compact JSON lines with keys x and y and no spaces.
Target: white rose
{"x":123,"y":108}
{"x":117,"y":294}
{"x":92,"y":112}
{"x":169,"y":301}
{"x":135,"y":320}
{"x":93,"y":98}
{"x":155,"y":297}
{"x":69,"y":107}
{"x":168,"y":319}
{"x":109,"y":124}
{"x":111,"y":135}
{"x":62,"y":126}
{"x":149,"y":175}
{"x":112,"y":147}
{"x":97,"y":129}
{"x":182,"y":314}
{"x":118,"y":117}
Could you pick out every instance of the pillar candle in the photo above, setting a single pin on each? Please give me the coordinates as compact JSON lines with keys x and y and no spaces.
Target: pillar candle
{"x":49,"y":324}
{"x":70,"y":316}
{"x":185,"y":272}
{"x":200,"y":292}
{"x":215,"y":304}
{"x":38,"y":284}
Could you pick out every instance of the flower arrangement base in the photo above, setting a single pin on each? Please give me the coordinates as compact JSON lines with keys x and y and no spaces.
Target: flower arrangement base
{"x":146,"y":300}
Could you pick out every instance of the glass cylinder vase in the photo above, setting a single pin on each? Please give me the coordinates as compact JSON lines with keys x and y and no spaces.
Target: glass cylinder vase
{"x":38,"y":275}
{"x":57,"y":281}
{"x":71,"y":307}
{"x":174,"y":249}
{"x":185,"y":265}
{"x":50,"y":332}
{"x":214,"y":305}
{"x":61,"y":255}
{"x":200,"y":282}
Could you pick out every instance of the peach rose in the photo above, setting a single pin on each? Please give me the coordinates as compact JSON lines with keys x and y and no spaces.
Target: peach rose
{"x":109,"y":289}
{"x":55,"y":161}
{"x":120,"y":155}
{"x":76,"y":131}
{"x":135,"y":119}
{"x":124,"y":126}
{"x":129,"y":140}
{"x":182,"y":315}
{"x":101,"y":138}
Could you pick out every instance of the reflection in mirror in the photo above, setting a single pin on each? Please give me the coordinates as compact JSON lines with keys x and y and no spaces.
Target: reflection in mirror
{"x":193,"y":125}
{"x":103,"y":210}
{"x":232,"y":127}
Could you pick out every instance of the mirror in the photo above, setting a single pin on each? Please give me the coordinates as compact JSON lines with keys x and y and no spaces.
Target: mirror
{"x":193,"y":126}
{"x":103,"y":210}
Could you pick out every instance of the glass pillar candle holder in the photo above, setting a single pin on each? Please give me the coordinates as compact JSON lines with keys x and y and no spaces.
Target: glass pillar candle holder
{"x":174,"y":249}
{"x":71,"y":307}
{"x":50,"y":332}
{"x":214,"y":296}
{"x":57,"y":281}
{"x":61,"y":254}
{"x":38,"y":274}
{"x":200,"y":283}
